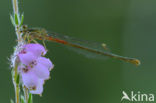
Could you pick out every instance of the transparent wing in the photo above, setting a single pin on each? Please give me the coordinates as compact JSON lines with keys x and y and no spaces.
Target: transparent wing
{"x":87,"y":48}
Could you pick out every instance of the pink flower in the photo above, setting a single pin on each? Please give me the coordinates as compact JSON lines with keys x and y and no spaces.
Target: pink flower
{"x":34,"y":68}
{"x":36,"y":49}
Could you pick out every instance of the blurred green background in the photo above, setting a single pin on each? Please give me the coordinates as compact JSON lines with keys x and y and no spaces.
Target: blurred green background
{"x":127,"y":26}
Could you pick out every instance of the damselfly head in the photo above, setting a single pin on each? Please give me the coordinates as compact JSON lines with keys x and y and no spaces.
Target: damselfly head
{"x":24,"y":27}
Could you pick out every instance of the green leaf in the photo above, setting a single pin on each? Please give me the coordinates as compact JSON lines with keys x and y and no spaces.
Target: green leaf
{"x":22,"y":19}
{"x":22,"y":99}
{"x":12,"y":20}
{"x":30,"y":98}
{"x":11,"y":101}
{"x":16,"y":19}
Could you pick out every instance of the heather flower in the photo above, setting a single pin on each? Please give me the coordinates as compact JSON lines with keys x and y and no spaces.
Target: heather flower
{"x":31,"y":52}
{"x":34,"y":68}
{"x":36,"y":49}
{"x":41,"y":68}
{"x":39,"y":88}
{"x":33,"y":83}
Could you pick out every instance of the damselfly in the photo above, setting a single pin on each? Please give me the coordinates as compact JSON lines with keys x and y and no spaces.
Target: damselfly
{"x":98,"y":49}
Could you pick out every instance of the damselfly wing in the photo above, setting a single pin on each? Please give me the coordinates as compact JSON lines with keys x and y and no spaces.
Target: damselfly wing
{"x":99,"y":49}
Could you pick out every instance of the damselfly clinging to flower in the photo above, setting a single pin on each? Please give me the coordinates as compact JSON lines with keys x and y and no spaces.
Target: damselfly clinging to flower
{"x":98,"y":49}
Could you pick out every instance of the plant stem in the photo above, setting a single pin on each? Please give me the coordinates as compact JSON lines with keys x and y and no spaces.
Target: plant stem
{"x":15,"y":6}
{"x":16,"y":85}
{"x":17,"y":93}
{"x":26,"y":94}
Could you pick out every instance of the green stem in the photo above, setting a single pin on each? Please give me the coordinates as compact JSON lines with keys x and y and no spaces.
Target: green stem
{"x":17,"y":16}
{"x":16,"y":84}
{"x":17,"y":94}
{"x":16,"y":79}
{"x":26,"y":94}
{"x":15,"y":6}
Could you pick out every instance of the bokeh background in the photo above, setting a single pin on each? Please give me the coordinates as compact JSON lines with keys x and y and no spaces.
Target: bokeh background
{"x":127,"y":26}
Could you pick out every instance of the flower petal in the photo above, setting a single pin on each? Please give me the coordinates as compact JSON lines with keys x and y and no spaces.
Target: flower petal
{"x":27,"y":58}
{"x":39,"y":88}
{"x":46,"y":62}
{"x":30,"y":80}
{"x":36,"y":49}
{"x":41,"y":71}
